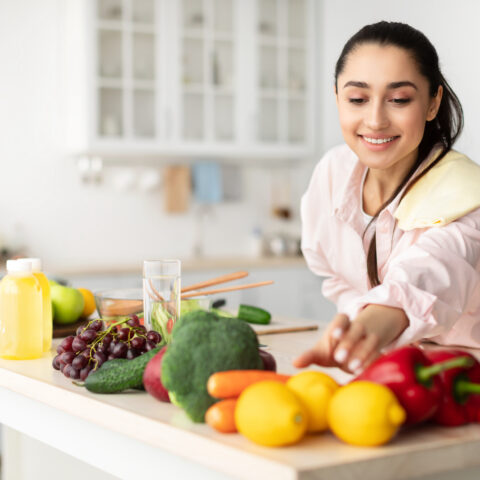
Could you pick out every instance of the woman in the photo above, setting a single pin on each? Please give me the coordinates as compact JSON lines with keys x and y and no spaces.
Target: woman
{"x":392,"y":218}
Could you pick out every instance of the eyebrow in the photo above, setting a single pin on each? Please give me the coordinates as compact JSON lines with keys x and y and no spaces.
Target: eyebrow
{"x":390,"y":86}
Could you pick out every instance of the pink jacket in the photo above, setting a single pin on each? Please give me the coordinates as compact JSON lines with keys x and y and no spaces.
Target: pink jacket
{"x":433,"y":274}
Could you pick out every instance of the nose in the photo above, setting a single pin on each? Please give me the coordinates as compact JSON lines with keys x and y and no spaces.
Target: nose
{"x":377,"y":117}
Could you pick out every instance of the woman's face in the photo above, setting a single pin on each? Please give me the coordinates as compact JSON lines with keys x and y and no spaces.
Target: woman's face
{"x":383,"y":103}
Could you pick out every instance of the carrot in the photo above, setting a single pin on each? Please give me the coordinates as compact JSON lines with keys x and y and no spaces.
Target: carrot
{"x":231,"y":383}
{"x":221,"y":416}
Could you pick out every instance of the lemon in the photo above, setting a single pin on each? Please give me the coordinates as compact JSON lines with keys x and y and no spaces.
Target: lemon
{"x":89,"y":302}
{"x":315,"y":389}
{"x":270,"y":414}
{"x":365,"y":413}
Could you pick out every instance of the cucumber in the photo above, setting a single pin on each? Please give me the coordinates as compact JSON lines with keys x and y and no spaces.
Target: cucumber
{"x":119,"y":375}
{"x":253,"y":314}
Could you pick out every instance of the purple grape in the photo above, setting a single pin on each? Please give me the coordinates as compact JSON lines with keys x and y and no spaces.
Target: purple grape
{"x":66,"y":358}
{"x":150,"y":345}
{"x":107,"y":339}
{"x":134,"y":321}
{"x":84,"y":372}
{"x":88,"y":335}
{"x":56,"y":362}
{"x":132,"y":353}
{"x":140,"y":330}
{"x":111,"y":356}
{"x":66,"y":370}
{"x":125,"y":334}
{"x":66,"y":343}
{"x":80,"y":329}
{"x":154,"y":336}
{"x":96,"y":325}
{"x":60,"y":349}
{"x":78,"y":344}
{"x":120,"y":350}
{"x":100,"y":359}
{"x":86,"y":353}
{"x":102,"y":349}
{"x":79,"y":362}
{"x":138,"y":343}
{"x":74,"y":374}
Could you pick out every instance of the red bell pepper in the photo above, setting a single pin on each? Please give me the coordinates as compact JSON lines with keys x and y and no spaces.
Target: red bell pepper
{"x":460,"y":402}
{"x":413,"y":379}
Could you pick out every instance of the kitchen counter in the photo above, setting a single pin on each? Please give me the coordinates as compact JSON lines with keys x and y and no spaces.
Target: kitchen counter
{"x":132,"y":434}
{"x":190,"y":265}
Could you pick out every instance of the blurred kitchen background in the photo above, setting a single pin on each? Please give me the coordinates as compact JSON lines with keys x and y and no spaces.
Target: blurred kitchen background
{"x":147,"y":129}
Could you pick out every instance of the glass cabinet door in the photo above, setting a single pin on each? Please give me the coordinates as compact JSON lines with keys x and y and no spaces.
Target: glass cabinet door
{"x":282,"y":70}
{"x":207,"y":70}
{"x":126,"y":69}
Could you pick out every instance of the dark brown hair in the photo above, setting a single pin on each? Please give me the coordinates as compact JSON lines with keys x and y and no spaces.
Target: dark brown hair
{"x":443,"y":130}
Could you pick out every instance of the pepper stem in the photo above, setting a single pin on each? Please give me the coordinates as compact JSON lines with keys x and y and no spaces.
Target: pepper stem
{"x":464,"y":387}
{"x":426,"y":373}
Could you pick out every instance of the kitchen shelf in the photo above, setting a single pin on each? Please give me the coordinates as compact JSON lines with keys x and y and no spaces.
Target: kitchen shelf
{"x":198,"y":80}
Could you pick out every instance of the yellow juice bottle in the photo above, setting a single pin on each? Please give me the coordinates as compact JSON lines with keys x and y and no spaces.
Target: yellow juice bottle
{"x":21,"y":322}
{"x":46,"y":302}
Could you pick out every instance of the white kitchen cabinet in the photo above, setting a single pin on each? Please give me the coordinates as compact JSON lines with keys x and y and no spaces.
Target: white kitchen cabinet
{"x":221,"y":78}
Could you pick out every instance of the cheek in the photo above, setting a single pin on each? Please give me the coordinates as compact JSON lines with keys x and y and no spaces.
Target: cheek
{"x":348,"y":120}
{"x":413,"y":122}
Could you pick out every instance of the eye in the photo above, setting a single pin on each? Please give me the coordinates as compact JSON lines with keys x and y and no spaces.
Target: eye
{"x":356,"y":101}
{"x":400,"y":101}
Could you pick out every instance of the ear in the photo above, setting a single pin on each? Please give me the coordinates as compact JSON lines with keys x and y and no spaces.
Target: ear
{"x":435,"y":104}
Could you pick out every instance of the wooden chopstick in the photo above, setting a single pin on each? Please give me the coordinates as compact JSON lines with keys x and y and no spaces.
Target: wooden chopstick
{"x":227,"y":289}
{"x":127,"y":307}
{"x":215,"y":281}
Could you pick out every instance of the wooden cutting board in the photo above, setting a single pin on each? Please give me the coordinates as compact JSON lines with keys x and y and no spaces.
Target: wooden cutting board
{"x":282,"y":325}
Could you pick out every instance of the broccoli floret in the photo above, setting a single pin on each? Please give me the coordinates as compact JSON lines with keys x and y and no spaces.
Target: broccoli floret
{"x":204,"y":343}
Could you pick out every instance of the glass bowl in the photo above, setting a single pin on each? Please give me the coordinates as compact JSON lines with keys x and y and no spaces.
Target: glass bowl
{"x":115,"y":304}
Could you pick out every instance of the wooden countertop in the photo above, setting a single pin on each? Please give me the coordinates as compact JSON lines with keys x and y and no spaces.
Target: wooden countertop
{"x":138,"y":416}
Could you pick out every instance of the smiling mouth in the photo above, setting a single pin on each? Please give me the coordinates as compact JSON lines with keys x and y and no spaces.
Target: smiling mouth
{"x":378,"y":141}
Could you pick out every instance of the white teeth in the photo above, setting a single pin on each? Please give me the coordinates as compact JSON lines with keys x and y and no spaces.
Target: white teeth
{"x":378,"y":140}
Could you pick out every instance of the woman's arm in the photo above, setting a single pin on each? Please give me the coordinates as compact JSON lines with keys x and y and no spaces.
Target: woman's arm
{"x":423,"y":294}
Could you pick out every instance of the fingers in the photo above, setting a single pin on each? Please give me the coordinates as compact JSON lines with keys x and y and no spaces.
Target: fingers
{"x":348,"y":342}
{"x":321,"y":353}
{"x":338,"y":326}
{"x":318,"y":356}
{"x":363,"y":354}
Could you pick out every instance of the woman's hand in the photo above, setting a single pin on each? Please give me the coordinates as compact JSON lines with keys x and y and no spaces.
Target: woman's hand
{"x":352,"y":346}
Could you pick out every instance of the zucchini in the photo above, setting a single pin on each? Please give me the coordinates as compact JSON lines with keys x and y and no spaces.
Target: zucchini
{"x":119,"y":375}
{"x":253,"y":314}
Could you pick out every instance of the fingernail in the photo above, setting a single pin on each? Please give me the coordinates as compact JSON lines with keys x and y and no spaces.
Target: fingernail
{"x":340,"y":355}
{"x":354,"y":364}
{"x":337,"y":333}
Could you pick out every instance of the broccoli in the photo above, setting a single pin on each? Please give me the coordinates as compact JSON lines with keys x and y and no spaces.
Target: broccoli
{"x":204,"y":343}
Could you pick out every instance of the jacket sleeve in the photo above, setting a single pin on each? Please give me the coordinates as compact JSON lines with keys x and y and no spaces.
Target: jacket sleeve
{"x":432,"y":281}
{"x":314,"y":212}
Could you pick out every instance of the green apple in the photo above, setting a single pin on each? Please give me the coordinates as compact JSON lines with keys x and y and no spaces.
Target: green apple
{"x":67,"y":303}
{"x":52,"y":282}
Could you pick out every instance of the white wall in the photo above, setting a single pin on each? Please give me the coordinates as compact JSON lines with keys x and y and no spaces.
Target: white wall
{"x":452,"y":27}
{"x":42,"y":198}
{"x":70,"y":224}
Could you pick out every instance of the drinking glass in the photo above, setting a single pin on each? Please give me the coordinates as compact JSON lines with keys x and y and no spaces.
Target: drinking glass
{"x":161,"y":295}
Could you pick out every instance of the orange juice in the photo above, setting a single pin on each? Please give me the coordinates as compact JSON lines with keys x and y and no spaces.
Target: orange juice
{"x":46,"y":302}
{"x":21,"y":322}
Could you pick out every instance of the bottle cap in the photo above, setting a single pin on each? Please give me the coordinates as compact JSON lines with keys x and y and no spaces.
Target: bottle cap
{"x":19,"y":265}
{"x":36,"y":263}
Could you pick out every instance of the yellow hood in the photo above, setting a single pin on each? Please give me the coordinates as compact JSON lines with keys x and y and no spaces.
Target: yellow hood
{"x":448,"y":191}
